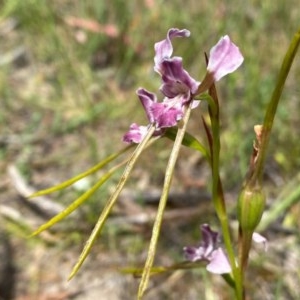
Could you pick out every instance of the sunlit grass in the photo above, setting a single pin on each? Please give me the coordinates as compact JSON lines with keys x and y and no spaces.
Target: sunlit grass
{"x":79,"y":98}
{"x":93,"y":83}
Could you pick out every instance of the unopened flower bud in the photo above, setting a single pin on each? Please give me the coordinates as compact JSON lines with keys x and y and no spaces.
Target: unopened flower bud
{"x":251,"y":205}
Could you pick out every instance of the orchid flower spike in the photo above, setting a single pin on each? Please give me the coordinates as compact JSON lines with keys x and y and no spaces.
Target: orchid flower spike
{"x":178,"y":87}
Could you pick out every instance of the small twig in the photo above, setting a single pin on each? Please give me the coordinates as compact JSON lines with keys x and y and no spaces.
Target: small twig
{"x":44,"y":206}
{"x":148,"y":218}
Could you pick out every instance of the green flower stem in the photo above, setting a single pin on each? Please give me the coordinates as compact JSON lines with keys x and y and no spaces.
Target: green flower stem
{"x":212,"y":104}
{"x":244,"y":249}
{"x":272,"y":107}
{"x":162,"y":203}
{"x":219,"y":202}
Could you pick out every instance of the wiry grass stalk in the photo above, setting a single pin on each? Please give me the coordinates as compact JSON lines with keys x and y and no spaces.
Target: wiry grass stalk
{"x":162,"y":203}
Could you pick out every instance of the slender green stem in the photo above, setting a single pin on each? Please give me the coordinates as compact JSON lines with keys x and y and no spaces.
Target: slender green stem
{"x":219,"y":203}
{"x":218,"y":197}
{"x":111,"y":202}
{"x":163,"y":202}
{"x":245,"y":246}
{"x":238,"y":279}
{"x":211,"y":102}
{"x":272,"y":107}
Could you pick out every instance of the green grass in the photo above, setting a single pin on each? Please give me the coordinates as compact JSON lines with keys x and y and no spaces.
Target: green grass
{"x":70,"y":104}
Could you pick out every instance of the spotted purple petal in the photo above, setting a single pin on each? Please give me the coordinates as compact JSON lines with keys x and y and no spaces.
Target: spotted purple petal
{"x":206,"y":246}
{"x":167,"y":113}
{"x":163,"y":114}
{"x":147,"y":99}
{"x":176,"y":80}
{"x":209,"y":238}
{"x":135,"y":134}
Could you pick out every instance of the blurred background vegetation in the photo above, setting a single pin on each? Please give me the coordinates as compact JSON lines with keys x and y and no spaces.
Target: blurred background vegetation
{"x":68,"y":75}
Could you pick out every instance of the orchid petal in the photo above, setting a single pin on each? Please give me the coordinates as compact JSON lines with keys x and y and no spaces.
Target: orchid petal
{"x":225,"y":57}
{"x":193,"y":253}
{"x":176,"y":80}
{"x":164,"y":48}
{"x":163,"y":114}
{"x":147,"y":99}
{"x":167,"y":114}
{"x":209,"y":237}
{"x":206,"y":247}
{"x":258,"y":238}
{"x":209,"y":251}
{"x":135,"y":134}
{"x":219,"y":263}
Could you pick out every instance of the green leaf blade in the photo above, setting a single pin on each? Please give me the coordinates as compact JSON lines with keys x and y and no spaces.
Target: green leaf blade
{"x":188,"y":141}
{"x":79,"y":201}
{"x":90,"y":171}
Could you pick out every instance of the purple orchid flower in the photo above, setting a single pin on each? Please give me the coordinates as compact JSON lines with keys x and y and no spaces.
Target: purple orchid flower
{"x":135,"y":134}
{"x":224,"y":58}
{"x":178,"y":86}
{"x":164,"y":48}
{"x":208,"y":250}
{"x":176,"y":80}
{"x":157,"y":113}
{"x":164,"y":114}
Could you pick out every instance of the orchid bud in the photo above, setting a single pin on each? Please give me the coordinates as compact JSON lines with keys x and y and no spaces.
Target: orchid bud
{"x":251,"y":205}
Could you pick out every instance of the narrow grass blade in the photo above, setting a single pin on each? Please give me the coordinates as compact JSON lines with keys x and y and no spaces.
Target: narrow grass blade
{"x":272,"y":107}
{"x":208,"y":135}
{"x":79,"y":201}
{"x":90,"y":171}
{"x":162,"y":203}
{"x":186,"y":265}
{"x":289,"y":196}
{"x":111,"y":202}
